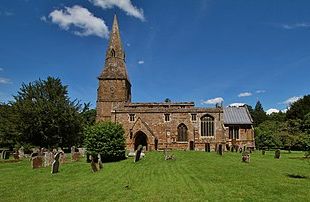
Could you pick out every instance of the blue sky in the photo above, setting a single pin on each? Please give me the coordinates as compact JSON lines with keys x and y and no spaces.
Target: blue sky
{"x":205,"y":51}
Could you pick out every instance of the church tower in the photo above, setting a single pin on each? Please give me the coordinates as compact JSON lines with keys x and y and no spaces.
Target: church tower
{"x":114,"y":85}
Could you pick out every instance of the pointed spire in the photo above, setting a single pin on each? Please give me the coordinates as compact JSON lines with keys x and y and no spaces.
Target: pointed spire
{"x":115,"y":67}
{"x":115,"y":41}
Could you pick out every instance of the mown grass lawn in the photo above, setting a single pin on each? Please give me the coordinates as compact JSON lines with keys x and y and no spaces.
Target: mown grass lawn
{"x":193,"y":176}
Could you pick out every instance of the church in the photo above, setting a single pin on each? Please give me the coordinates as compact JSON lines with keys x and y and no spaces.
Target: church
{"x":175,"y":125}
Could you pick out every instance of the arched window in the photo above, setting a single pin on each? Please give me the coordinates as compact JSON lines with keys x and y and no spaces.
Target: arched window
{"x":207,"y":126}
{"x":113,"y":53}
{"x":182,"y":132}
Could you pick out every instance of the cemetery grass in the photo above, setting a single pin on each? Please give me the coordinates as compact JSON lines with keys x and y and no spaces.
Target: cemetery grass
{"x":193,"y":176}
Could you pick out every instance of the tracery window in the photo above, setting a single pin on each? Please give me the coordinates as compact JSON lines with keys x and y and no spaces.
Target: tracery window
{"x":207,"y":126}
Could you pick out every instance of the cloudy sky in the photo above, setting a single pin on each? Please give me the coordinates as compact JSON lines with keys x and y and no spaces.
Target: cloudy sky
{"x":204,"y":51}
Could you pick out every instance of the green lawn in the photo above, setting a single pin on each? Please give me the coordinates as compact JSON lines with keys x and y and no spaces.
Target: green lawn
{"x":195,"y":176}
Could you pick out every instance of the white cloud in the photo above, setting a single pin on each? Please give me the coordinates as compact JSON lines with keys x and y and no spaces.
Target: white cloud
{"x":1,"y":69}
{"x":284,"y":110}
{"x":260,"y":91}
{"x":291,"y":100}
{"x":4,"y":80}
{"x":245,"y":94}
{"x":81,"y":19}
{"x":272,"y":110}
{"x":213,"y":101}
{"x":296,"y":25}
{"x":43,"y":18}
{"x":237,"y":104}
{"x":140,"y":62}
{"x":125,"y":5}
{"x":128,"y":44}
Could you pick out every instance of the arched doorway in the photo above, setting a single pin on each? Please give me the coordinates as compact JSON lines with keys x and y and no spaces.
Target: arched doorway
{"x":140,"y":138}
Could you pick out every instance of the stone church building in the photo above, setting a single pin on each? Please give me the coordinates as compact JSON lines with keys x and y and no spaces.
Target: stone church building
{"x":176,"y":125}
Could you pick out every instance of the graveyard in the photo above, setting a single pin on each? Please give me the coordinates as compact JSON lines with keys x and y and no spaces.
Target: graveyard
{"x":189,"y":175}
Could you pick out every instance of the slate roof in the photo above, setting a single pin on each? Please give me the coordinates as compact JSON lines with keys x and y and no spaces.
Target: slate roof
{"x":237,"y":115}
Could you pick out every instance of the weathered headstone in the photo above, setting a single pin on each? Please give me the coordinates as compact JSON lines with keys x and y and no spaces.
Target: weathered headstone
{"x":75,"y":156}
{"x":96,"y":163}
{"x":5,"y":154}
{"x":277,"y":154}
{"x":48,"y":158}
{"x":16,"y":155}
{"x":240,"y":150}
{"x":245,"y":157}
{"x":88,"y":158}
{"x":55,"y":164}
{"x":220,"y":149}
{"x":63,"y":157}
{"x":36,"y":162}
{"x":138,"y":153}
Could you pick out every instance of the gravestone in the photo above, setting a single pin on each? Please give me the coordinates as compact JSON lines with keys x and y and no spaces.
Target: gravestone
{"x":75,"y":156}
{"x":220,"y":149}
{"x":36,"y":162}
{"x":5,"y":154}
{"x":138,"y":153}
{"x":16,"y":155}
{"x":21,"y":152}
{"x":232,"y":148}
{"x":88,"y":158}
{"x":240,"y":150}
{"x":277,"y":154}
{"x":263,"y":152}
{"x":63,"y":156}
{"x":245,"y":157}
{"x":48,"y":158}
{"x":55,"y":164}
{"x":96,"y":163}
{"x":131,"y":153}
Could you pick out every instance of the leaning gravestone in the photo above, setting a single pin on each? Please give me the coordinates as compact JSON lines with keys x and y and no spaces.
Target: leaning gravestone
{"x":138,"y":153}
{"x":277,"y":154}
{"x":36,"y":162}
{"x":55,"y":164}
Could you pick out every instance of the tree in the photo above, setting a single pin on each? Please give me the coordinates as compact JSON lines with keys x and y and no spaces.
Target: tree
{"x":88,"y":115}
{"x":8,"y":132}
{"x":45,"y":115}
{"x":259,"y":115}
{"x":299,"y":109}
{"x":267,"y":134}
{"x":107,"y":139}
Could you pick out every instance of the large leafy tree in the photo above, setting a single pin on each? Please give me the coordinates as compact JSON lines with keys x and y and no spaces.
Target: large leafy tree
{"x":45,"y":115}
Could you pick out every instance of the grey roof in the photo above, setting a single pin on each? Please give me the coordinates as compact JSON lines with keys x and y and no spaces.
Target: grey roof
{"x":237,"y":115}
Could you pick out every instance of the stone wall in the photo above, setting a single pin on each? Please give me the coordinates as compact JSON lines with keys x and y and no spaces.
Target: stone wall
{"x":151,"y":121}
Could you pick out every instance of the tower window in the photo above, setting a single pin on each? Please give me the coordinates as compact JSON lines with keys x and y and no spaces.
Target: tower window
{"x":194,"y":117}
{"x":167,"y":117}
{"x":131,"y":117}
{"x":113,"y":53}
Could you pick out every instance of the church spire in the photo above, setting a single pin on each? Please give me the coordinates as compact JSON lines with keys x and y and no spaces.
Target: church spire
{"x":115,"y":67}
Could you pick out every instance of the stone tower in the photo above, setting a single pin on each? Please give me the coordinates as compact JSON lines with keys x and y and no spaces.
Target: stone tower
{"x":114,"y":85}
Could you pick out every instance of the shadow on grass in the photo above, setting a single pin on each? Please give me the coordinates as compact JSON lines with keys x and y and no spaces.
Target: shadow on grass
{"x":297,"y":176}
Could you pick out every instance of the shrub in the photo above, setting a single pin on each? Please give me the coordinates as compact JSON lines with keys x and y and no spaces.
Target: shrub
{"x":106,"y":139}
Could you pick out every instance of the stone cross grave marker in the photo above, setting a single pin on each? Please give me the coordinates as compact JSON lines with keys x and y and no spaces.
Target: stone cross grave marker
{"x":55,"y":164}
{"x":138,"y":153}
